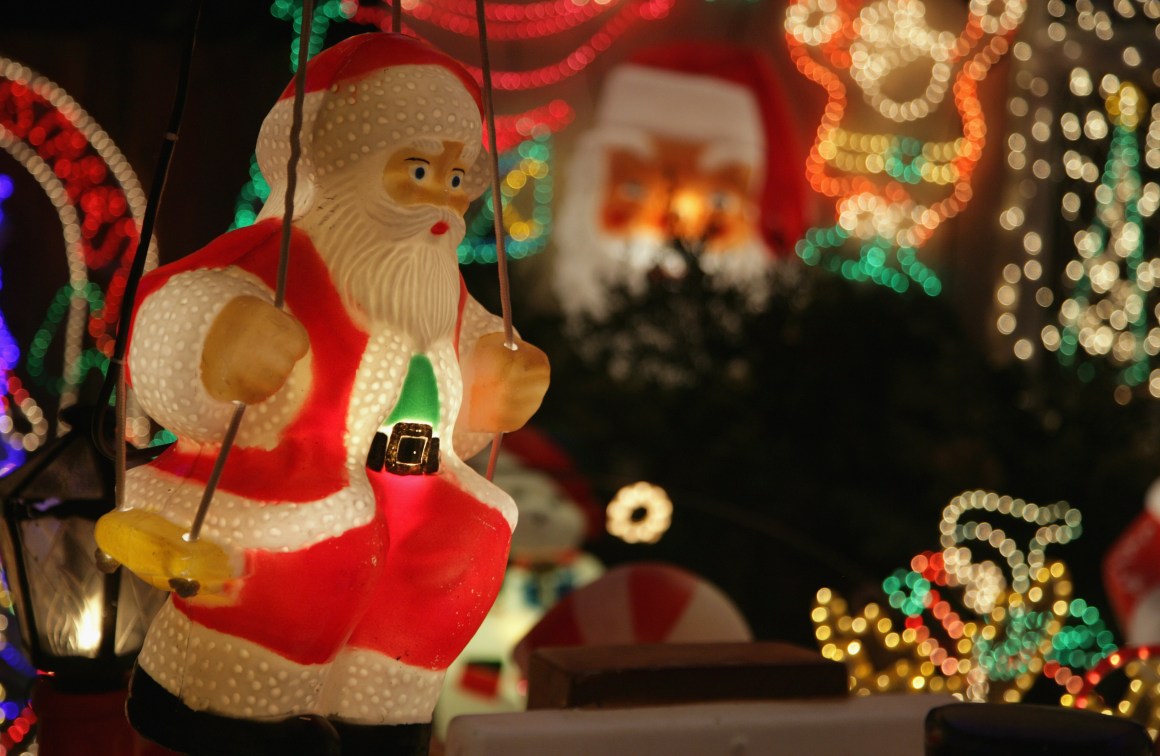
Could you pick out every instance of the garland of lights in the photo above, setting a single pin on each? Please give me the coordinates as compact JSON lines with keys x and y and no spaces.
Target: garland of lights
{"x":871,"y":175}
{"x":1096,"y":196}
{"x":511,"y":22}
{"x":632,"y":12}
{"x":99,"y":202}
{"x":1003,"y":630}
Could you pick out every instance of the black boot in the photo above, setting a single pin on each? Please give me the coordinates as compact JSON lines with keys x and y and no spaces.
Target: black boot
{"x":384,"y":740}
{"x":161,"y":717}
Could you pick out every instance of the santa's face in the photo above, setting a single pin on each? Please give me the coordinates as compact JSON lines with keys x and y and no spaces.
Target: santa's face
{"x":672,"y":191}
{"x":388,"y":229}
{"x":429,"y":172}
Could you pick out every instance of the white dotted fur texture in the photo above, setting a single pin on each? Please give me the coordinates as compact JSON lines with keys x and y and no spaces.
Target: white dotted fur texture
{"x":227,"y":675}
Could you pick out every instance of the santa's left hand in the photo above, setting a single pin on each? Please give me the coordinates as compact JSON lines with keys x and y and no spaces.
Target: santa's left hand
{"x":503,"y":387}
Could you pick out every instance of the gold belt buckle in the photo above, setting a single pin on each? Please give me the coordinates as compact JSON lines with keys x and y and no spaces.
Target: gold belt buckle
{"x":412,"y":449}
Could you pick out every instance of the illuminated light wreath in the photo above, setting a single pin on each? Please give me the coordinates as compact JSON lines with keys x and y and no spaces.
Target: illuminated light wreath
{"x":970,"y":627}
{"x":99,"y":202}
{"x":640,"y":513}
{"x":1083,"y":182}
{"x":871,"y":177}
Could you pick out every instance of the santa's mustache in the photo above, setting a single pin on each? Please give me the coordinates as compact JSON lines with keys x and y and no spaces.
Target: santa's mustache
{"x":408,"y":221}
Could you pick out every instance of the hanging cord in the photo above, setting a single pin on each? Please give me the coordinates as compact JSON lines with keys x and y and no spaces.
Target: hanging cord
{"x":397,"y":16}
{"x":497,"y":210}
{"x":115,"y":375}
{"x":283,"y":261}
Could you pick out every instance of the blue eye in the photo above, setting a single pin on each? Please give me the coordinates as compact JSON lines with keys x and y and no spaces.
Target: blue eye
{"x":418,"y":172}
{"x":456,"y":181}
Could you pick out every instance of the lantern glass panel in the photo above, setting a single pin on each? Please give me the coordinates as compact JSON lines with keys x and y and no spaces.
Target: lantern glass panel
{"x":64,"y":584}
{"x":136,"y":604}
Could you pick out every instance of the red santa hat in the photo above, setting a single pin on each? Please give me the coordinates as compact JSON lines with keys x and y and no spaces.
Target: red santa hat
{"x":727,"y":97}
{"x":365,"y":96}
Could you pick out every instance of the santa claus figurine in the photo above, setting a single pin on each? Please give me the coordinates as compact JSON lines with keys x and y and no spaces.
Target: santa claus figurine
{"x":690,"y":161}
{"x":350,"y":553}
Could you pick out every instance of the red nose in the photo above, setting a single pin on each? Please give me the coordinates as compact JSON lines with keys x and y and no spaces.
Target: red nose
{"x":440,"y":228}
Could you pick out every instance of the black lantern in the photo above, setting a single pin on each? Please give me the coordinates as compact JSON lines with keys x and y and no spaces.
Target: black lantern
{"x":82,"y":625}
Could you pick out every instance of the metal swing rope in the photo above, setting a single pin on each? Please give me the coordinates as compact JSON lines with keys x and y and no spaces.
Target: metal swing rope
{"x":497,"y":208}
{"x":115,"y":379}
{"x":211,"y":483}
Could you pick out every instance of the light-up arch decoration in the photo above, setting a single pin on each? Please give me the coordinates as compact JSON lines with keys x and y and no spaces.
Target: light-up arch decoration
{"x":100,"y":204}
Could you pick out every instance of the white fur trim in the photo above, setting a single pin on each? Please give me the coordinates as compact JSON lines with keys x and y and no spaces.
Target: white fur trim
{"x":165,"y":361}
{"x":238,"y":522}
{"x":366,"y":687}
{"x":223,"y":674}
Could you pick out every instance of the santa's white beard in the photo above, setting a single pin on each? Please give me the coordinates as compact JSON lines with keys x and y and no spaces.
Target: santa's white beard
{"x":590,"y":260}
{"x":385,"y":263}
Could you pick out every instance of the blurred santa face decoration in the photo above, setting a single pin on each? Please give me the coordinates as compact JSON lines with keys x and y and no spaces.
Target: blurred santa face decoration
{"x":351,"y":553}
{"x":685,"y":164}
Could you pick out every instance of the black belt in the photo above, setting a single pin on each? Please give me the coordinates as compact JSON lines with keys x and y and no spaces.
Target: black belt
{"x":411,"y":449}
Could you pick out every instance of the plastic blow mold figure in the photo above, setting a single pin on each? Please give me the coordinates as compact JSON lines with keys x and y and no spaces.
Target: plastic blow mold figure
{"x":350,"y":553}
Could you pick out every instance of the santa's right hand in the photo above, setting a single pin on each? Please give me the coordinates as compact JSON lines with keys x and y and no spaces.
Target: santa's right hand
{"x":250,"y":350}
{"x":155,"y":549}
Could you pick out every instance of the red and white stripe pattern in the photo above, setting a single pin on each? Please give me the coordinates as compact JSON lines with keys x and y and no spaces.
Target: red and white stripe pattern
{"x":647,"y":602}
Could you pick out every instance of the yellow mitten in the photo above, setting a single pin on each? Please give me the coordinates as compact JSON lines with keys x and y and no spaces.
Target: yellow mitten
{"x":156,"y":551}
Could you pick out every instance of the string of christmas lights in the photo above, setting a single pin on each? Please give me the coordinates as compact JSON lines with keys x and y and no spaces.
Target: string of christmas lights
{"x":877,"y":179}
{"x":13,"y":446}
{"x":1083,"y":162}
{"x":527,"y":173}
{"x":970,"y":627}
{"x":324,"y":13}
{"x":1135,"y":697}
{"x":255,"y":191}
{"x":16,"y":717}
{"x":623,"y":19}
{"x":506,"y":22}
